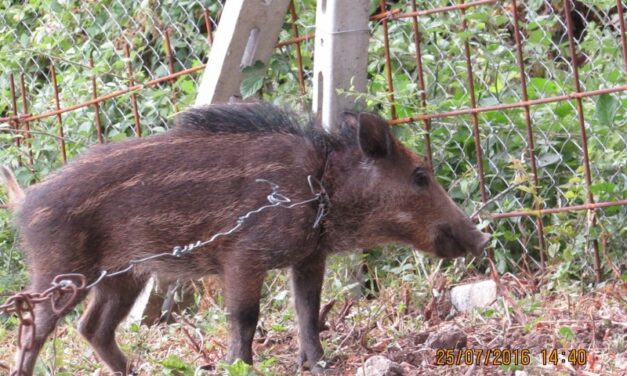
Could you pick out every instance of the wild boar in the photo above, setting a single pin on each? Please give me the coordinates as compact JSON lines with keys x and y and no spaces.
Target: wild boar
{"x":133,"y":199}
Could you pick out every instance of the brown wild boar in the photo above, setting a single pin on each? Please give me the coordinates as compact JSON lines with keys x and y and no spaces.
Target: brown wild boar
{"x":132,"y":199}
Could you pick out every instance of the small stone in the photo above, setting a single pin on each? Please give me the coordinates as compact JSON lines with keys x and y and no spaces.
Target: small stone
{"x":469,"y":296}
{"x":380,"y":366}
{"x":520,"y":373}
{"x":420,"y":338}
{"x":409,"y":368}
{"x":449,"y":337}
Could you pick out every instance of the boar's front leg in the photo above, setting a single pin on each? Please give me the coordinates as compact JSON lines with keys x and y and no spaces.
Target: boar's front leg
{"x":307,"y":279}
{"x":242,"y":288}
{"x":111,"y":301}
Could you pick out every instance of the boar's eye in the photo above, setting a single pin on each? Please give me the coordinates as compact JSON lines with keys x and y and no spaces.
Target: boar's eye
{"x":420,"y":177}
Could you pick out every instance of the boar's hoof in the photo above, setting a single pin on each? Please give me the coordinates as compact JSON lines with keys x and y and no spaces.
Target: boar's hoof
{"x":315,"y":370}
{"x":305,"y":364}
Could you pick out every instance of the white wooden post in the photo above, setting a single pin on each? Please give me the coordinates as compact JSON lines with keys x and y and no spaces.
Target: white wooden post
{"x":341,"y":56}
{"x":248,"y":32}
{"x":341,"y":62}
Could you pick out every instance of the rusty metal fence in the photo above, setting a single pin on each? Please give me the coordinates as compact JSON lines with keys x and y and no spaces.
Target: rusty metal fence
{"x":520,"y":106}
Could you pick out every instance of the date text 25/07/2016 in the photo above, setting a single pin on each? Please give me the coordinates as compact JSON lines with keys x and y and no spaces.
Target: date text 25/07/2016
{"x":452,"y":357}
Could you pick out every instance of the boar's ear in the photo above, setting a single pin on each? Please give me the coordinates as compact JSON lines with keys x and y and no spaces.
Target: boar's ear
{"x":374,"y":136}
{"x":349,"y":119}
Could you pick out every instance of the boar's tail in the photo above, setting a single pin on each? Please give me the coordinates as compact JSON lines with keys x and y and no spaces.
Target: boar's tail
{"x":16,"y":194}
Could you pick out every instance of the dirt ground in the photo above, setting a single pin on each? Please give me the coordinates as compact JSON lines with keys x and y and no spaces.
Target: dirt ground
{"x":517,"y":335}
{"x":588,"y":332}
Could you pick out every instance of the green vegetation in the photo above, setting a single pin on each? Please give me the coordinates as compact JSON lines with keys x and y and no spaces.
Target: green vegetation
{"x":37,"y":33}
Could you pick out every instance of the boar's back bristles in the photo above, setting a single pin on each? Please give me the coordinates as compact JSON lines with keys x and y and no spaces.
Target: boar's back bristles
{"x":243,"y":118}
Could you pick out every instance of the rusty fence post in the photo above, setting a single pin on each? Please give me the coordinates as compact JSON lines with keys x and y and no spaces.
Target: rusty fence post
{"x":28,"y":136}
{"x":475,"y":121}
{"x":94,"y":95}
{"x":170,"y":56}
{"x":584,"y":136}
{"x":299,"y":57}
{"x":131,"y":83}
{"x":208,"y":26}
{"x":621,"y":20}
{"x":421,"y":85}
{"x":16,"y":123}
{"x":57,"y":102}
{"x":530,"y":138}
{"x":388,"y":61}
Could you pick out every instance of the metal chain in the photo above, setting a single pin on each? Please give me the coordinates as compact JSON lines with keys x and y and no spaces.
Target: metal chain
{"x":23,"y":305}
{"x":69,"y":285}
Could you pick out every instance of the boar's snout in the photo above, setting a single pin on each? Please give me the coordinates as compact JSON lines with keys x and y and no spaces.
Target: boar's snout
{"x":482,"y":242}
{"x":455,"y":241}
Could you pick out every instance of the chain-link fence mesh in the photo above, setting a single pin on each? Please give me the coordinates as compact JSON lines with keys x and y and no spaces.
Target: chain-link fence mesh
{"x":462,"y":96}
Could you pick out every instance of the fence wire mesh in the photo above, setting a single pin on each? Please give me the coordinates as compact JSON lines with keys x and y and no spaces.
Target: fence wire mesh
{"x":540,"y":103}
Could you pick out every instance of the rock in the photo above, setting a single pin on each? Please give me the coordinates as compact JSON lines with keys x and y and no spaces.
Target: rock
{"x":409,"y":368}
{"x":621,"y":361}
{"x":449,"y":337}
{"x":380,"y":366}
{"x":479,"y":294}
{"x":420,"y":338}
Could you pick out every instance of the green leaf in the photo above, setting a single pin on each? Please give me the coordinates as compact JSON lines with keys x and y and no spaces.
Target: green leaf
{"x":279,"y":328}
{"x":174,"y":362}
{"x":604,"y":187}
{"x":563,"y":109}
{"x":252,"y":79}
{"x":134,"y":328}
{"x":464,"y":35}
{"x":188,"y":86}
{"x":604,"y":5}
{"x":500,"y":19}
{"x":553,"y":249}
{"x":539,"y":87}
{"x":480,"y":16}
{"x":539,"y":37}
{"x":524,"y":188}
{"x":567,"y":333}
{"x":238,"y":368}
{"x":607,"y":105}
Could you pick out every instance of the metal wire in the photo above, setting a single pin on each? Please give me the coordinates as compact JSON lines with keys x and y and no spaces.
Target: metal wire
{"x":275,"y":199}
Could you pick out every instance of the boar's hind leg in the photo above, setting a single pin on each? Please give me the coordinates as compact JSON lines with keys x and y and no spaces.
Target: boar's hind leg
{"x":307,"y":284}
{"x":111,"y":302}
{"x":242,"y":288}
{"x":45,"y":322}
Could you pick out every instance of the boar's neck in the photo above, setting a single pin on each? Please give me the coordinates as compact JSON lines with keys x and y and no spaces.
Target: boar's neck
{"x":344,"y":226}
